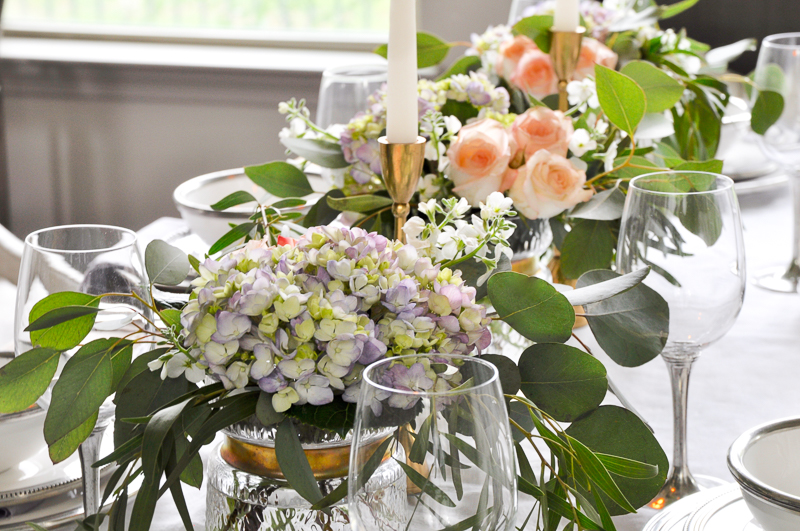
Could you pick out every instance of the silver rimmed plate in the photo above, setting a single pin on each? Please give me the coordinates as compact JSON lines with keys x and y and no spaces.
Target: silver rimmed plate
{"x":717,"y":509}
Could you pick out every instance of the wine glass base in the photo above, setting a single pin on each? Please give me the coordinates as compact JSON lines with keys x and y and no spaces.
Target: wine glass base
{"x":678,"y":488}
{"x":780,"y":279}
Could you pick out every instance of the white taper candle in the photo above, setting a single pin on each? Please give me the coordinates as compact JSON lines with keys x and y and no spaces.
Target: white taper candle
{"x":401,"y":91}
{"x":567,"y":16}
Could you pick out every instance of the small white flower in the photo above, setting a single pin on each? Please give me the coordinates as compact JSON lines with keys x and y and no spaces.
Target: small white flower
{"x":181,"y":364}
{"x":414,"y":227}
{"x":497,"y":205}
{"x":610,"y":156}
{"x":453,"y":124}
{"x":428,"y":208}
{"x":581,"y":142}
{"x":462,"y":207}
{"x":283,"y":107}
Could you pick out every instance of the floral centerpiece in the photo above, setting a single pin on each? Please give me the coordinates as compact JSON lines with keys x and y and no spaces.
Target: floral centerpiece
{"x":642,"y":99}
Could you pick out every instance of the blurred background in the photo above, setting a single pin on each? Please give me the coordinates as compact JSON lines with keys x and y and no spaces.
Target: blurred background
{"x":108,"y":105}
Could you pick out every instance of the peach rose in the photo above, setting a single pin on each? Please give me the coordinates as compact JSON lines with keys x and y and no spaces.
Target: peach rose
{"x":510,"y":54}
{"x":541,"y":128}
{"x":594,"y":52}
{"x":534,"y":74}
{"x":479,"y":159}
{"x":547,"y":185}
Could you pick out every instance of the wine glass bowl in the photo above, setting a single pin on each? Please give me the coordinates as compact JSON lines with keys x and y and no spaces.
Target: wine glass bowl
{"x":687,"y":228}
{"x":344,"y":90}
{"x":778,"y":69}
{"x":456,"y":446}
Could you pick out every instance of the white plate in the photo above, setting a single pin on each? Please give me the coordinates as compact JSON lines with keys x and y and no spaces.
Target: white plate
{"x":717,"y":509}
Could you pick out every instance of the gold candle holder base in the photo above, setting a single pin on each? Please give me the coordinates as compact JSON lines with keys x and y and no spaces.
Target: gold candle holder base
{"x":565,"y":50}
{"x":402,"y":168}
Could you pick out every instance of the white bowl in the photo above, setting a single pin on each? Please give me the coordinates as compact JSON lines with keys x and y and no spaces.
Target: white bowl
{"x":765,"y":461}
{"x":194,"y":198}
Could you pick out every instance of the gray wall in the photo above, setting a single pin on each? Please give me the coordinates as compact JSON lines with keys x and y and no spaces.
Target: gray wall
{"x":104,"y":143}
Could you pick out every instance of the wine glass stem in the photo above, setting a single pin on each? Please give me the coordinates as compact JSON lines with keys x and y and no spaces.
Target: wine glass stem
{"x":680,"y":366}
{"x":89,"y":452}
{"x":794,"y":267}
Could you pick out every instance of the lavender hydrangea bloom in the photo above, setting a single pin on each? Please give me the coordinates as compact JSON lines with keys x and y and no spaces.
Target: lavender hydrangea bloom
{"x":230,"y":326}
{"x":314,"y":390}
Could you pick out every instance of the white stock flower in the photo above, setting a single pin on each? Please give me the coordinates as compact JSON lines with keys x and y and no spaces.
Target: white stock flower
{"x":181,"y":364}
{"x":581,"y":142}
{"x":497,"y":205}
{"x":610,"y":157}
{"x":453,"y":124}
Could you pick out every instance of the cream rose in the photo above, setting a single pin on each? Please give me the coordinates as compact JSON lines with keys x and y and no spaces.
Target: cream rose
{"x":534,"y":74}
{"x":541,"y":128}
{"x":594,"y":52}
{"x":479,"y":159}
{"x":547,"y":185}
{"x":510,"y":54}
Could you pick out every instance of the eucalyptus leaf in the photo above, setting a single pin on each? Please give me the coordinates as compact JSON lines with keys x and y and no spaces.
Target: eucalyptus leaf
{"x":463,"y":66}
{"x":320,"y":152}
{"x":463,"y":110}
{"x":232,"y":236}
{"x":68,"y":334}
{"x":519,"y":413}
{"x":537,"y":28}
{"x":621,"y":98}
{"x":613,"y":430}
{"x":25,"y":378}
{"x":321,"y":213}
{"x":508,"y":372}
{"x":359,"y":203}
{"x":294,"y":463}
{"x":472,"y":270}
{"x":431,"y":50}
{"x":631,"y":327}
{"x":64,"y":447}
{"x":155,"y":433}
{"x":289,"y":203}
{"x":661,"y":90}
{"x":265,"y":412}
{"x":165,"y":264}
{"x":84,"y":384}
{"x":562,"y":380}
{"x":766,"y":111}
{"x":589,"y":245}
{"x":701,"y":216}
{"x":677,"y":8}
{"x":607,"y":289}
{"x":598,"y":474}
{"x":194,"y":262}
{"x":337,"y":416}
{"x":281,"y":179}
{"x":532,"y":307}
{"x":643,"y":166}
{"x":171,"y":318}
{"x":426,"y":486}
{"x":61,"y":315}
{"x":420,"y":447}
{"x":239,"y":197}
{"x":606,"y":205}
{"x":372,"y":464}
{"x":628,"y":468}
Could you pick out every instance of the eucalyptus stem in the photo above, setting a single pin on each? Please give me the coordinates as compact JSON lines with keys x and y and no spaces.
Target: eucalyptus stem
{"x":623,"y":165}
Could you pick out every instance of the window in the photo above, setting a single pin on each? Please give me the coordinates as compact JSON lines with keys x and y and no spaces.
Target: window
{"x":301,"y":22}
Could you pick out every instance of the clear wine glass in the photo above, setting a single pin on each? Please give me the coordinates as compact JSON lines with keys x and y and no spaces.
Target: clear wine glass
{"x":92,"y":259}
{"x":778,"y":69}
{"x":344,"y":90}
{"x":452,"y":446}
{"x":686,"y":227}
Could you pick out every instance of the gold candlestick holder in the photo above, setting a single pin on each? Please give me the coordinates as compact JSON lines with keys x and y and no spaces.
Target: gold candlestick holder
{"x":565,"y":50}
{"x":402,"y":168}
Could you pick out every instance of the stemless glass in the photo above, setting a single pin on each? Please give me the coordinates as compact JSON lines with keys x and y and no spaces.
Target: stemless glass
{"x":778,"y":69}
{"x":92,"y":259}
{"x":686,"y":227}
{"x":454,"y":444}
{"x":344,"y":90}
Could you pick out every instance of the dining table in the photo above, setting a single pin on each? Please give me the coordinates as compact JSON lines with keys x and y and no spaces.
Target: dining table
{"x":749,"y":377}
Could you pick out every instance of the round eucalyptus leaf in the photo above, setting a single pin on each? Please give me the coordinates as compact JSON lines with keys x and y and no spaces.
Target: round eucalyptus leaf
{"x":616,"y":431}
{"x":165,"y":264}
{"x":508,"y":370}
{"x":561,"y":380}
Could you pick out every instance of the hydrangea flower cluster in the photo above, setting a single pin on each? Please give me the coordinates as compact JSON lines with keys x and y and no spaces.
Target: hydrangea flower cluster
{"x":302,"y":319}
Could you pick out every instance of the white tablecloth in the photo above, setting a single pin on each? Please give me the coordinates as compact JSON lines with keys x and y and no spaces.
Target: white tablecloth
{"x":749,"y":377}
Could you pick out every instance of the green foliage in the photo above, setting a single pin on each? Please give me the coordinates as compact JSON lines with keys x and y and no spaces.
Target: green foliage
{"x":589,"y":245}
{"x":766,"y":111}
{"x":604,"y":206}
{"x":239,"y":197}
{"x":279,"y":178}
{"x":25,"y":378}
{"x":508,"y":372}
{"x":632,"y":327}
{"x":426,"y":486}
{"x":616,"y":431}
{"x":677,"y":8}
{"x":465,"y":65}
{"x":463,"y":110}
{"x":562,"y":380}
{"x":537,"y":28}
{"x":472,"y":270}
{"x":69,"y":332}
{"x":294,"y":463}
{"x":165,"y":264}
{"x":320,"y":152}
{"x":621,"y":98}
{"x":321,"y":212}
{"x":265,"y":412}
{"x":358,"y":203}
{"x":337,"y":416}
{"x":661,"y":90}
{"x":532,"y":307}
{"x":232,"y":236}
{"x":431,"y":50}
{"x":64,"y":447}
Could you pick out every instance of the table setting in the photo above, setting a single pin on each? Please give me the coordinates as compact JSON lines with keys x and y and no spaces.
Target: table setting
{"x":441,"y":310}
